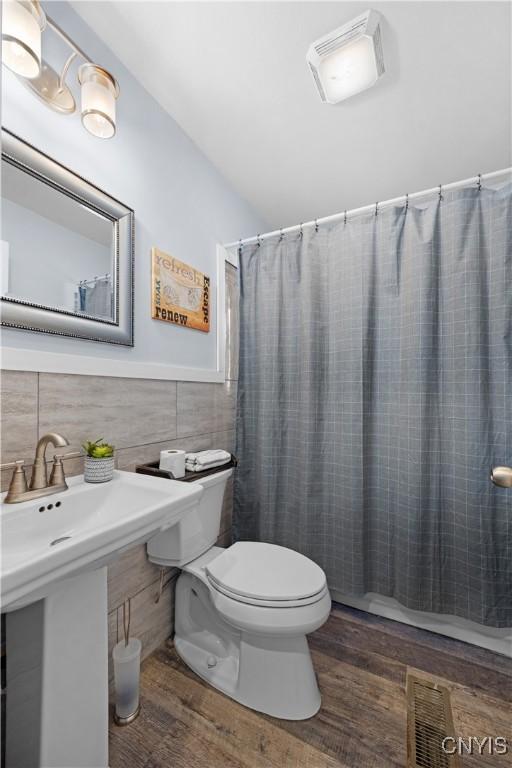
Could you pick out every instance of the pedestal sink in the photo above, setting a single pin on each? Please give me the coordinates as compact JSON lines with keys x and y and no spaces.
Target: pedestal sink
{"x":54,"y":588}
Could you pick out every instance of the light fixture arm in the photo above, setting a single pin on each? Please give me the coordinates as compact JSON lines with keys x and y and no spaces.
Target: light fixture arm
{"x":60,"y":32}
{"x":42,"y":15}
{"x":65,"y":69}
{"x":76,"y":51}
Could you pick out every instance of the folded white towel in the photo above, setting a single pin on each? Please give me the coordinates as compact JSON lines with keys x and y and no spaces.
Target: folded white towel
{"x":202,"y":467}
{"x":195,"y":462}
{"x":205,"y":457}
{"x":210,"y":457}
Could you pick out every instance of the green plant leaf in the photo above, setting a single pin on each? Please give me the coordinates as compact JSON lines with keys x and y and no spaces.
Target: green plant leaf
{"x":98,"y":449}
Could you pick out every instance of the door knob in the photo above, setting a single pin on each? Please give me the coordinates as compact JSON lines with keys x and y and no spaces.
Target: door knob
{"x":502,"y":476}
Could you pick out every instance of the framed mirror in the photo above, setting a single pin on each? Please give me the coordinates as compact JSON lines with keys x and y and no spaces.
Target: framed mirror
{"x":67,"y":250}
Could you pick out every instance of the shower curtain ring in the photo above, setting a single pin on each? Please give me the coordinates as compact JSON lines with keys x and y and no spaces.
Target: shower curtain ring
{"x":406,"y":201}
{"x":258,"y":240}
{"x":345,"y":219}
{"x":441,"y":192}
{"x":479,"y":184}
{"x":316,"y":225}
{"x":240,"y":247}
{"x":377,"y":209}
{"x":301,"y":233}
{"x":281,"y":235}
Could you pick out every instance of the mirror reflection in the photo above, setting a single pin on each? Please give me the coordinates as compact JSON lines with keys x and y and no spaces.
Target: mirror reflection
{"x":55,"y":251}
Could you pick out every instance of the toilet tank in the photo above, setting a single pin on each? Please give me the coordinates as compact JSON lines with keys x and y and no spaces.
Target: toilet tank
{"x":197,"y":531}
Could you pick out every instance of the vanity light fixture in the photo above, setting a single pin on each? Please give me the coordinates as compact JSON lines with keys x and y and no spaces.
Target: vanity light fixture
{"x":23,"y":22}
{"x":99,"y":94}
{"x":349,"y":59}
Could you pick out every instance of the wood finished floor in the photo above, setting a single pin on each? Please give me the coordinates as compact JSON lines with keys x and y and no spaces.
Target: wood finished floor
{"x":361,"y":662}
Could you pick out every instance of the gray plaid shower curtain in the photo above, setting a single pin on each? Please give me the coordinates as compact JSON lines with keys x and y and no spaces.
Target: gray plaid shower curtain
{"x":375,"y":394}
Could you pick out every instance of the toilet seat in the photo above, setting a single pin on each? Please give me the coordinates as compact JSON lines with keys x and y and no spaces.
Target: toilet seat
{"x":266,"y":575}
{"x":269,"y":603}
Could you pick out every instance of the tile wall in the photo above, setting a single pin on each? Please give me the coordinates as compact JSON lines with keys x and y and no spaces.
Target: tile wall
{"x":140,"y":417}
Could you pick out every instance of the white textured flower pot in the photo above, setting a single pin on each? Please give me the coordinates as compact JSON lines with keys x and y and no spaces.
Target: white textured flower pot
{"x":98,"y":470}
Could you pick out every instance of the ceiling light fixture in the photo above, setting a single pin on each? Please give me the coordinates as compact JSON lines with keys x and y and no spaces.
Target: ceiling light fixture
{"x":21,"y":53}
{"x":349,"y":59}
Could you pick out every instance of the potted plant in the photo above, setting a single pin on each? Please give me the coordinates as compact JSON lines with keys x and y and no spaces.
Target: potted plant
{"x":99,"y":461}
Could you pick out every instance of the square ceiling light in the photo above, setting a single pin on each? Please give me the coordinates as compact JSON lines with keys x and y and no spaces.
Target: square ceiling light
{"x":348,"y":60}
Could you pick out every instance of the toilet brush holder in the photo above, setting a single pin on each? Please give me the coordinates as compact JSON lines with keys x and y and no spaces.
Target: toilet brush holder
{"x":126,"y":658}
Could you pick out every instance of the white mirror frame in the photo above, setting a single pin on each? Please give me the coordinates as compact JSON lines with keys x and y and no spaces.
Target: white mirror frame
{"x":27,"y":316}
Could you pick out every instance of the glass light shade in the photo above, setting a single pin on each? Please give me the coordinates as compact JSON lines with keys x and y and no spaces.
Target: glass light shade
{"x":349,"y":70}
{"x":99,"y":94}
{"x":21,"y":38}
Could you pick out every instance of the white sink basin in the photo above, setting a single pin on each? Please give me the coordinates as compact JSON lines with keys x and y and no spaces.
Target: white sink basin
{"x":43,"y":543}
{"x":54,"y":552}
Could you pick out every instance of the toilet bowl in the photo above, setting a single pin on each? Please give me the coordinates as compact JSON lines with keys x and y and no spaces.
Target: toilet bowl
{"x":243,"y":613}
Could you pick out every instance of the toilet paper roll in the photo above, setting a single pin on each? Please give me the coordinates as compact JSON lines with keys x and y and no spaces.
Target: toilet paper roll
{"x":173,"y":461}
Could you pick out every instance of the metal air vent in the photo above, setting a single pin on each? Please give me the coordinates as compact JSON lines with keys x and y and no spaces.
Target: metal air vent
{"x":429,"y":722}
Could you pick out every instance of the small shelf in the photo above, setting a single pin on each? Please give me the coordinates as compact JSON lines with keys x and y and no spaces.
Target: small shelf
{"x":152,"y":468}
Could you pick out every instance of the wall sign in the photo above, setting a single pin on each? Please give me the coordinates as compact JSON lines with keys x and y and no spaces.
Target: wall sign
{"x":179,"y":293}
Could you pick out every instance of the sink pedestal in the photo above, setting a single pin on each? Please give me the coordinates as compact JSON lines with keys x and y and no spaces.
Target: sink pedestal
{"x":57,"y":678}
{"x":54,"y":590}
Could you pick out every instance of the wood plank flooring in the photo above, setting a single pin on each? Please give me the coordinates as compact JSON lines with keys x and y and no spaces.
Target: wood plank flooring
{"x":361,"y":662}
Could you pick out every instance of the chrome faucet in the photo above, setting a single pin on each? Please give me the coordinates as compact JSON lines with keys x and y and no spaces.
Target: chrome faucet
{"x":39,"y":485}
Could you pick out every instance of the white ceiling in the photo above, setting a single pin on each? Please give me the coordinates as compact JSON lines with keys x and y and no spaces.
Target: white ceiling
{"x":234,"y":76}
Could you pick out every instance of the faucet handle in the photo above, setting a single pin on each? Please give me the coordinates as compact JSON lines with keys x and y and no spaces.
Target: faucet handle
{"x":18,"y":484}
{"x":70,"y":455}
{"x":57,"y":476}
{"x":13,"y":464}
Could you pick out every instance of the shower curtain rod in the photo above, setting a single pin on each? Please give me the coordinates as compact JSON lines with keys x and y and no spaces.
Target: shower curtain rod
{"x":375,"y":206}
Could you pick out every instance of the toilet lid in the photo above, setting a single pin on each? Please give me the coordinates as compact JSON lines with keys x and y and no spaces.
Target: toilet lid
{"x":260,"y":571}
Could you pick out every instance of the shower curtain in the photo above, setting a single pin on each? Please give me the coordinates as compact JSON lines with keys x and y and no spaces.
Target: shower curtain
{"x":375,"y":395}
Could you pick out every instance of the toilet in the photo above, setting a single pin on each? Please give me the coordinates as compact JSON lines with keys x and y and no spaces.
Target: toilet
{"x":243,"y":613}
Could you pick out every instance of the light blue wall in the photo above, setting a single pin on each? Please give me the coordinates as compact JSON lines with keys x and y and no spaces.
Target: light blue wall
{"x":182,"y":203}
